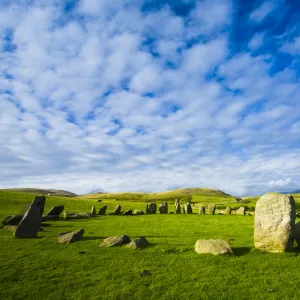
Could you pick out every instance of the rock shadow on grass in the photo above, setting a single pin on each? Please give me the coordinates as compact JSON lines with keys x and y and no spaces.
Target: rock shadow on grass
{"x":240,"y":251}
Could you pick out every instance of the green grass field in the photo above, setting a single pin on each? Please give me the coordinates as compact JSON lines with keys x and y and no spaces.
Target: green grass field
{"x":41,"y":269}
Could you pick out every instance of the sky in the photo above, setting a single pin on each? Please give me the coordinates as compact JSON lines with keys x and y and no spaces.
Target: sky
{"x":132,"y":95}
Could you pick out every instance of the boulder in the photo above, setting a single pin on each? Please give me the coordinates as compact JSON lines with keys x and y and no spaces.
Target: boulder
{"x":202,"y":210}
{"x":30,"y":223}
{"x":82,"y":215}
{"x":139,"y":243}
{"x":117,"y":210}
{"x":152,"y":208}
{"x":163,"y":208}
{"x":12,"y":220}
{"x":138,"y":212}
{"x":102,"y":210}
{"x":93,"y":210}
{"x":24,"y":209}
{"x":55,"y":210}
{"x":177,"y":207}
{"x":115,"y":241}
{"x":227,"y":211}
{"x":215,"y":247}
{"x":274,"y":223}
{"x":297,"y":233}
{"x":188,"y":208}
{"x":128,"y":212}
{"x":212,"y":209}
{"x":71,"y":237}
{"x":240,"y":211}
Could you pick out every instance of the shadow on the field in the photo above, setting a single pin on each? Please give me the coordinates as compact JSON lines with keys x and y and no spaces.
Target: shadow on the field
{"x":239,"y":251}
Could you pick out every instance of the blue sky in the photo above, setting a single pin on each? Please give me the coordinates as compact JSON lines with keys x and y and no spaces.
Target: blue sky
{"x":150,"y":95}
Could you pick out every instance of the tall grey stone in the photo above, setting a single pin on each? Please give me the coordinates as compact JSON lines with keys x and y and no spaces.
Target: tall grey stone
{"x":177,"y":207}
{"x":297,"y":233}
{"x":102,"y":210}
{"x":117,"y":210}
{"x":55,"y":210}
{"x":188,"y":208}
{"x":163,"y":208}
{"x":212,"y":209}
{"x":202,"y":210}
{"x":30,"y":224}
{"x":152,"y":208}
{"x":93,"y":210}
{"x":274,"y":223}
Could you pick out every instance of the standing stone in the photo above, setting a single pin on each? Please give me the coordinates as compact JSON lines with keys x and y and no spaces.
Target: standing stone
{"x":152,"y":208}
{"x":240,"y":211}
{"x":42,"y":201}
{"x":227,"y":211}
{"x":297,"y":233}
{"x":147,"y":208}
{"x":202,"y":210}
{"x":117,"y":210}
{"x":93,"y":210}
{"x":274,"y":223}
{"x":30,"y":224}
{"x":56,"y":210}
{"x":71,"y":237}
{"x":163,"y":208}
{"x":177,"y":207}
{"x":188,"y":208}
{"x":212,"y":208}
{"x":102,"y":210}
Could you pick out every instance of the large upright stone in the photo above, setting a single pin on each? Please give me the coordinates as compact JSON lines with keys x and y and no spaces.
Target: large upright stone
{"x":42,"y":201}
{"x":152,"y":208}
{"x":93,"y":210}
{"x":274,"y":223}
{"x":188,"y":208}
{"x":163,"y":208}
{"x":117,"y":210}
{"x":212,"y":209}
{"x":240,"y":211}
{"x":102,"y":210}
{"x":297,"y":233}
{"x":55,"y":210}
{"x":227,"y":211}
{"x":202,"y":210}
{"x":30,"y":224}
{"x":177,"y":207}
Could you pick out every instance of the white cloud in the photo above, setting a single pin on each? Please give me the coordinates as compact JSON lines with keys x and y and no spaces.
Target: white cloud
{"x":262,"y":12}
{"x":280,"y":182}
{"x":257,"y":41}
{"x":292,"y":47}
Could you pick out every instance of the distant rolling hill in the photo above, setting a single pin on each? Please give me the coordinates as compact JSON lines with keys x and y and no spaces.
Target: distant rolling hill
{"x":182,"y":193}
{"x":50,"y":192}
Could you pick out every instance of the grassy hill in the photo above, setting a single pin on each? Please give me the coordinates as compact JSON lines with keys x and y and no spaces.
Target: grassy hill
{"x":49,"y":192}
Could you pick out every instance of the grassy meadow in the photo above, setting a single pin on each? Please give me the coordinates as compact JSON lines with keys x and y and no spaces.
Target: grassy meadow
{"x":41,"y":269}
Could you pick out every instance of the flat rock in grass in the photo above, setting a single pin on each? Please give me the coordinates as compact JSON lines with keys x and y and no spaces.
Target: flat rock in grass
{"x":115,"y":241}
{"x":12,"y":220}
{"x":240,"y":211}
{"x":55,"y":210}
{"x":212,"y":209}
{"x":128,"y":212}
{"x":93,"y":210}
{"x":202,"y":210}
{"x":82,"y":215}
{"x":70,"y":237}
{"x":138,"y":212}
{"x":274,"y":223}
{"x":215,"y":247}
{"x":30,"y":224}
{"x":297,"y":233}
{"x":24,"y":209}
{"x":139,"y":243}
{"x":102,"y":210}
{"x":50,"y":218}
{"x":68,"y":215}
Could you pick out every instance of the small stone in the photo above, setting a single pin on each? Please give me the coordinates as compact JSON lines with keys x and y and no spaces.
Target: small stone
{"x":215,"y":247}
{"x":128,"y":212}
{"x":227,"y":211}
{"x":55,"y":210}
{"x":70,"y":237}
{"x":139,"y":243}
{"x":93,"y":210}
{"x":68,"y":215}
{"x":240,"y":211}
{"x":10,"y":228}
{"x":138,"y":212}
{"x":115,"y":241}
{"x":145,"y":273}
{"x":102,"y":210}
{"x":82,"y":215}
